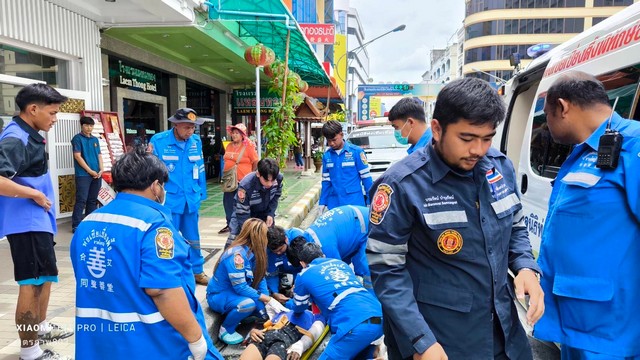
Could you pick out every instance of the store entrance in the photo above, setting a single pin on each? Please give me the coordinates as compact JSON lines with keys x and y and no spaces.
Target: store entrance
{"x":141,"y":122}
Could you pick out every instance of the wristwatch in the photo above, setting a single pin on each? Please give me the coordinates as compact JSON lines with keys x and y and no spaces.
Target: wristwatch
{"x":529,"y":269}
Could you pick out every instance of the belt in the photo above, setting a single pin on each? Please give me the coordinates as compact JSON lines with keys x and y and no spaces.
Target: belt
{"x":373,"y":320}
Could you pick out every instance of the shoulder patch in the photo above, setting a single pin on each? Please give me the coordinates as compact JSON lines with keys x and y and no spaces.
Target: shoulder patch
{"x":242,"y":193}
{"x":380,"y":203}
{"x":238,"y":261}
{"x":363,"y":157}
{"x":164,"y":243}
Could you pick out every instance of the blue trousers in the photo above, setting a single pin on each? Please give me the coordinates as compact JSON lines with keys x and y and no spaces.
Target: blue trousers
{"x":234,"y":306}
{"x":355,"y":344}
{"x":187,"y":224}
{"x":87,"y":189}
{"x":228,"y":201}
{"x":299,"y":161}
{"x":569,"y":353}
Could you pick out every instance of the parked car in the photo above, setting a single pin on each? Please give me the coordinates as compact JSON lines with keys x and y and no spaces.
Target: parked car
{"x":380,"y":145}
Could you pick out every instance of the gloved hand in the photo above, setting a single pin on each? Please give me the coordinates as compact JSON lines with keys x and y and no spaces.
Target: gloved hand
{"x":274,"y":306}
{"x":198,"y":348}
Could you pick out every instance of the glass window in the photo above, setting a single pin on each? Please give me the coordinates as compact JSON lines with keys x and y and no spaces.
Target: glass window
{"x":546,"y":156}
{"x":597,"y":20}
{"x":30,"y":65}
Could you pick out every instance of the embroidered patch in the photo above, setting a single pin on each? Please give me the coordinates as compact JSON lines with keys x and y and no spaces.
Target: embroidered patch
{"x":164,"y":243}
{"x":493,"y":176}
{"x":380,"y":203}
{"x":241,"y":194}
{"x":363,"y":157}
{"x":171,"y":167}
{"x":238,"y":261}
{"x":450,"y":242}
{"x":191,"y":116}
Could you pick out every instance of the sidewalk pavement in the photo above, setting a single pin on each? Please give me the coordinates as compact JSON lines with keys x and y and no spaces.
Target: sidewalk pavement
{"x":301,"y":195}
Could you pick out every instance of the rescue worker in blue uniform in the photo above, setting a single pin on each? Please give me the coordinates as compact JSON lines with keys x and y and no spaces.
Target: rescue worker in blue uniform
{"x":446,"y":226}
{"x":238,"y":288}
{"x":346,"y":179}
{"x":257,"y":197}
{"x":353,"y":313}
{"x":181,"y":151}
{"x":590,"y":253}
{"x":342,"y":233}
{"x":407,"y":116}
{"x":135,"y":291}
{"x":278,"y":262}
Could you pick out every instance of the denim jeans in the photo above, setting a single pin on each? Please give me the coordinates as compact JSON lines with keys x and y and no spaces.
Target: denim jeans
{"x":228,"y":201}
{"x":86,"y":198}
{"x":299,"y":161}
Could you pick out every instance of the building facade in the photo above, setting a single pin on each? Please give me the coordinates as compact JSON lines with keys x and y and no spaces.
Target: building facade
{"x":496,"y":29}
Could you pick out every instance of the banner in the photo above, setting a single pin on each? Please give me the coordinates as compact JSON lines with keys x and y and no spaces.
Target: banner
{"x":340,"y":70}
{"x":319,"y":33}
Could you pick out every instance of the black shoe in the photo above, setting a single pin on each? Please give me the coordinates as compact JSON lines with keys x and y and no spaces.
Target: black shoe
{"x":224,"y":230}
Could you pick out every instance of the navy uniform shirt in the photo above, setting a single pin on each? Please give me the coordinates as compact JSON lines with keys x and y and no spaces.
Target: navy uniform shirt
{"x":254,"y":200}
{"x":23,"y":159}
{"x":439,"y":249}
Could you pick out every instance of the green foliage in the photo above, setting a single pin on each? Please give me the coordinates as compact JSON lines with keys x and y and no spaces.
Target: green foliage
{"x":337,"y":116}
{"x":279,"y":128}
{"x":318,"y":154}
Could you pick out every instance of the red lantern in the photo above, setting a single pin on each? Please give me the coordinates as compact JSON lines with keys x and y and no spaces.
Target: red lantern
{"x":270,"y":69}
{"x":259,"y":55}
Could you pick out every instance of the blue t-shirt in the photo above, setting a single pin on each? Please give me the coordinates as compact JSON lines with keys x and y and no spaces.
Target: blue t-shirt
{"x":425,"y":140}
{"x":89,"y":149}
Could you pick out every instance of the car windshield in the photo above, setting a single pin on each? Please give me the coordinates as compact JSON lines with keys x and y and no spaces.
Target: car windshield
{"x":374,"y":139}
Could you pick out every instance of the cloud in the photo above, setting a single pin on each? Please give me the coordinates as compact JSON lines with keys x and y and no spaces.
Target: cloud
{"x":404,"y":56}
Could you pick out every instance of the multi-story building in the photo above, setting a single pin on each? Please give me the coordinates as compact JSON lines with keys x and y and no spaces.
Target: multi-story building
{"x":496,"y":29}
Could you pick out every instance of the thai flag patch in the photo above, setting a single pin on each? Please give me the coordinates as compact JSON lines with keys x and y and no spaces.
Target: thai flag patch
{"x":493,"y":176}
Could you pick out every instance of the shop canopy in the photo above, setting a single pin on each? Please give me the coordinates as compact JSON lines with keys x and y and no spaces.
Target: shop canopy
{"x":268,"y":22}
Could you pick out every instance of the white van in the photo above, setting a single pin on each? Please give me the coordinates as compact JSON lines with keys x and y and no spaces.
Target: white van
{"x":610,"y":51}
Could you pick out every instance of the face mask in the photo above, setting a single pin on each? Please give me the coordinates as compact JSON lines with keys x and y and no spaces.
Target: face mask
{"x":398,"y":135}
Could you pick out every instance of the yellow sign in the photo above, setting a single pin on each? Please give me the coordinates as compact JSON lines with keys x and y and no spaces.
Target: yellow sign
{"x":375,"y":107}
{"x":340,"y":67}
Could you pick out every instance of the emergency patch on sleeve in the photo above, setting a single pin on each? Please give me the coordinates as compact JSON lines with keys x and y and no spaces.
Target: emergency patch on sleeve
{"x":380,"y":203}
{"x":164,"y":243}
{"x":242,"y":193}
{"x":363,"y":157}
{"x":238,"y":261}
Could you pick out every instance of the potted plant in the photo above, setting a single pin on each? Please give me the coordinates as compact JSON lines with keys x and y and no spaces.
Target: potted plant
{"x":317,"y":155}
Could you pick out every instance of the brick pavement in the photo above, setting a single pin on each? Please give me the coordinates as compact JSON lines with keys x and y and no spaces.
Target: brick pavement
{"x":292,"y":210}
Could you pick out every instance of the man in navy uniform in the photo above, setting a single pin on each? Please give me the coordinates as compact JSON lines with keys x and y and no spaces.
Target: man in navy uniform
{"x":345,"y":171}
{"x":446,"y":226}
{"x":407,"y":117}
{"x":181,"y":151}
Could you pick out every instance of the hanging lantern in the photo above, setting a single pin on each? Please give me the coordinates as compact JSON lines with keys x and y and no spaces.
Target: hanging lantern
{"x":273,"y":68}
{"x":296,"y":77}
{"x":259,"y":55}
{"x":304,"y":86}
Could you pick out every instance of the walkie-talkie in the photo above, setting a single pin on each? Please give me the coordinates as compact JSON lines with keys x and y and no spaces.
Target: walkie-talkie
{"x":609,"y":146}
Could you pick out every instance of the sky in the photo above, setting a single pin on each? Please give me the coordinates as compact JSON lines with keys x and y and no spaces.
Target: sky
{"x":404,"y":55}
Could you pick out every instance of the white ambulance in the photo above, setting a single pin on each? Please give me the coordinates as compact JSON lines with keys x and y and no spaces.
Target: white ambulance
{"x":610,"y":51}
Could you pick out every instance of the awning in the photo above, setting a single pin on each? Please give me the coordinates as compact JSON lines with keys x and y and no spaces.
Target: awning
{"x":268,"y":22}
{"x":323,"y":92}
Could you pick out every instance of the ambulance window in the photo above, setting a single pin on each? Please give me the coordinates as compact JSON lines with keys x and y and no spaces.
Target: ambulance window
{"x":546,"y":155}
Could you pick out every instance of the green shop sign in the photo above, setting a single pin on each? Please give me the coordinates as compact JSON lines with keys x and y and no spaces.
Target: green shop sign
{"x":133,"y":77}
{"x":244,"y":101}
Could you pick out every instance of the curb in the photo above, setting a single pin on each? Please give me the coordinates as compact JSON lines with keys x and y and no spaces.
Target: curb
{"x":300,"y":209}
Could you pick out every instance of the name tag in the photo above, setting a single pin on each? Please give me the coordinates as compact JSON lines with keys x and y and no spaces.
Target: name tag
{"x":196,"y":173}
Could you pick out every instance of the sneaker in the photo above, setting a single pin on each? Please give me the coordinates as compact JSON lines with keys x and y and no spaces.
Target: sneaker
{"x":56,"y":333}
{"x":51,"y":355}
{"x":231,"y":339}
{"x":201,"y":279}
{"x":224,"y":230}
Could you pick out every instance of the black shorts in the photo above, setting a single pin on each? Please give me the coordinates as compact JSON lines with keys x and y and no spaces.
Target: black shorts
{"x":276,"y":342}
{"x":33,"y":255}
